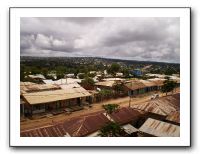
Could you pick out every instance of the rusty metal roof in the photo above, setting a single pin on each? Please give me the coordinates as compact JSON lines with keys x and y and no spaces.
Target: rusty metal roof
{"x":174,"y":117}
{"x":46,"y":131}
{"x":125,"y":115}
{"x":162,"y":106}
{"x":160,"y":128}
{"x":85,"y":125}
{"x":79,"y":126}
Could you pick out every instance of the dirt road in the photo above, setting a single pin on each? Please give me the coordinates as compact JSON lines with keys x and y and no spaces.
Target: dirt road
{"x":123,"y":102}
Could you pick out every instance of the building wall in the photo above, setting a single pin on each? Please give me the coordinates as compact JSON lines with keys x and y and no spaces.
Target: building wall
{"x":48,"y":107}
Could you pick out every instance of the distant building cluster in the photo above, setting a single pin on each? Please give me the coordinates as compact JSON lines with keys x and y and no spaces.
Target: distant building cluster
{"x":156,"y":117}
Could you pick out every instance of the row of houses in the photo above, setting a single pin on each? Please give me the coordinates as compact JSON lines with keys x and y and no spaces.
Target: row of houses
{"x":44,"y":98}
{"x":64,"y":93}
{"x":133,"y":87}
{"x":160,"y":118}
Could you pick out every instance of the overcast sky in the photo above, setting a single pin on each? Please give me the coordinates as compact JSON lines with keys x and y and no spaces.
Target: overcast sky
{"x":152,"y":39}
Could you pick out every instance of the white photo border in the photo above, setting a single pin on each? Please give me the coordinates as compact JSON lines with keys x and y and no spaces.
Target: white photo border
{"x":185,"y":70}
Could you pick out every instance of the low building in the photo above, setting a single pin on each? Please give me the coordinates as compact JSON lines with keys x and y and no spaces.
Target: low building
{"x":69,"y":75}
{"x":135,"y":87}
{"x":85,"y":125}
{"x":62,"y":81}
{"x":105,"y":84}
{"x":156,"y":128}
{"x":160,"y":108}
{"x":162,"y":76}
{"x":46,"y":131}
{"x":76,"y":127}
{"x":125,"y":115}
{"x":28,"y":87}
{"x":37,"y":77}
{"x":158,"y":82}
{"x":54,"y":99}
{"x":149,"y":85}
{"x":119,"y":74}
{"x":136,"y":72}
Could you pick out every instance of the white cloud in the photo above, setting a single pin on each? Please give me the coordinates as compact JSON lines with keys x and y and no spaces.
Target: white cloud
{"x":134,"y":38}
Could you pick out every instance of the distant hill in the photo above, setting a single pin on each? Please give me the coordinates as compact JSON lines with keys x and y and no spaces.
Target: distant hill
{"x":96,"y":58}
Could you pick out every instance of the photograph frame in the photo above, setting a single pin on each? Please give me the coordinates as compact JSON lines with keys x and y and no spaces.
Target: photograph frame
{"x":11,"y":68}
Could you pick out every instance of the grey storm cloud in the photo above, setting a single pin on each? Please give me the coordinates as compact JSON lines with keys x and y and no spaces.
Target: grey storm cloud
{"x":144,"y":38}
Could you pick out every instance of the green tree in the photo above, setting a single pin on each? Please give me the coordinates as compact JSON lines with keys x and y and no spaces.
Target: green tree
{"x":169,"y":71}
{"x":168,"y":86}
{"x":35,"y":70}
{"x":118,"y":87}
{"x":105,"y":93}
{"x":87,"y":83}
{"x":44,"y":72}
{"x":82,"y":76}
{"x":114,"y":68}
{"x":60,"y":76}
{"x":110,"y":108}
{"x":92,"y":75}
{"x":112,"y":129}
{"x":60,"y":71}
{"x":125,"y":72}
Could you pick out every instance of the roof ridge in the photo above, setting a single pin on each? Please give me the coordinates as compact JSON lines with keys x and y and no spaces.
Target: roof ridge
{"x":80,"y":126}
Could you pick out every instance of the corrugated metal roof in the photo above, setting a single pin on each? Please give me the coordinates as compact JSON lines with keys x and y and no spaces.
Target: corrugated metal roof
{"x":95,"y":134}
{"x":162,"y":106}
{"x":85,"y":125}
{"x":55,"y":95}
{"x":134,"y":84}
{"x":26,"y":83}
{"x":113,"y":79}
{"x":46,"y":131}
{"x":159,"y":128}
{"x":148,"y":83}
{"x":79,"y":126}
{"x":174,"y":117}
{"x":105,"y":83}
{"x":157,"y":81}
{"x":128,"y":128}
{"x":26,"y":87}
{"x":62,"y":81}
{"x":125,"y":115}
{"x":70,"y":86}
{"x":37,"y":76}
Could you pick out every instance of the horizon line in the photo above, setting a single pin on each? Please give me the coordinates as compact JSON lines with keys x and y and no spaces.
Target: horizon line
{"x":99,"y":57}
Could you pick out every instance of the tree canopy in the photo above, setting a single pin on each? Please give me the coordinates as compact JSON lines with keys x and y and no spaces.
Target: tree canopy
{"x":112,"y":129}
{"x":110,"y":108}
{"x":114,"y":68}
{"x":168,"y":86}
{"x":87,"y":83}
